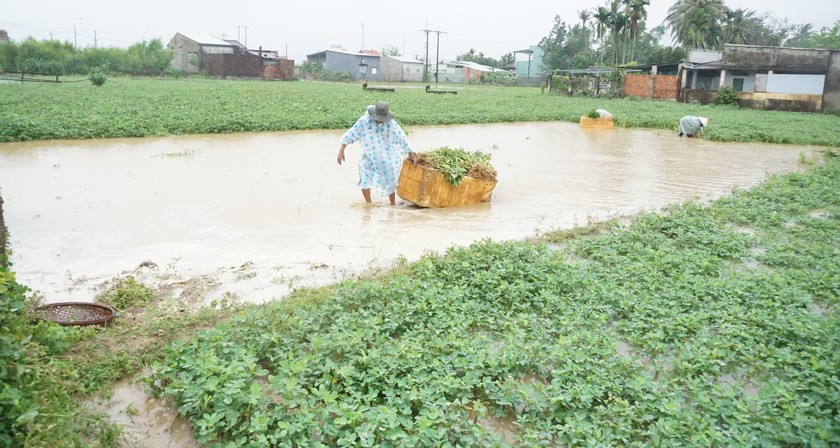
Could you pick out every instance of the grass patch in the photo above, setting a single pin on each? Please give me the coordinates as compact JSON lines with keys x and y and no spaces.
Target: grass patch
{"x":70,"y":364}
{"x":128,"y":107}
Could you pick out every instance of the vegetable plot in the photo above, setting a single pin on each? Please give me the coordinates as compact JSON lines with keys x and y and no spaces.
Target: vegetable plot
{"x":707,"y":326}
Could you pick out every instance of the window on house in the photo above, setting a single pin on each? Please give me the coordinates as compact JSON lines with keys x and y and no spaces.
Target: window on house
{"x":738,"y":84}
{"x":363,"y":69}
{"x":373,"y":70}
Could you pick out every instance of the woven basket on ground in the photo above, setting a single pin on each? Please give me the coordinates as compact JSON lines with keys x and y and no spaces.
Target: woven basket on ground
{"x":77,"y":313}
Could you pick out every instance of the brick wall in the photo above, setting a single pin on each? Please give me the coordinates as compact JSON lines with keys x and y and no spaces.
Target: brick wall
{"x":236,"y":65}
{"x":284,"y":69}
{"x":664,"y":87}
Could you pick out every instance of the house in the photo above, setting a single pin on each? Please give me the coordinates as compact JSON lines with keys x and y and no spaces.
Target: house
{"x":4,"y":36}
{"x":528,"y":63}
{"x":463,"y":72}
{"x":224,"y":57}
{"x":364,"y":65}
{"x":399,"y":69}
{"x":780,"y":78}
{"x":196,"y":53}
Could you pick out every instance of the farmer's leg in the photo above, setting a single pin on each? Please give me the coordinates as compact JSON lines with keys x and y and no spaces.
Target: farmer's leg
{"x":393,"y":198}
{"x":366,"y":194}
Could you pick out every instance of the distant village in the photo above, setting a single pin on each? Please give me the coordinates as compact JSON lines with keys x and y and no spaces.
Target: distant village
{"x":229,"y":58}
{"x":762,"y":77}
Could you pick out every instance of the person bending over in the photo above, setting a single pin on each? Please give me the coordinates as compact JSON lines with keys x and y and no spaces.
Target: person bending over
{"x":384,"y":147}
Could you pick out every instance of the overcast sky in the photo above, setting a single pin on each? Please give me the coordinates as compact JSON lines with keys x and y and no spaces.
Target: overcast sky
{"x":304,"y":27}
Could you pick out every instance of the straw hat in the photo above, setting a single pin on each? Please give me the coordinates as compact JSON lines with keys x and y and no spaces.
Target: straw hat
{"x":704,"y":121}
{"x":381,"y":111}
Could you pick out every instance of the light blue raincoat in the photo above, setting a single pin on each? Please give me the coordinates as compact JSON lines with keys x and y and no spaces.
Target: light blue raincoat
{"x":690,"y":125}
{"x":384,"y":147}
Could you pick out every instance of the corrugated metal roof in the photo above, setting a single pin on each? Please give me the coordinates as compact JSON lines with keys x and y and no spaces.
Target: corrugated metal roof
{"x":207,"y":39}
{"x":405,"y":60}
{"x":475,"y":66}
{"x":234,"y":42}
{"x":333,"y":50}
{"x":587,"y":71}
{"x":266,"y":54}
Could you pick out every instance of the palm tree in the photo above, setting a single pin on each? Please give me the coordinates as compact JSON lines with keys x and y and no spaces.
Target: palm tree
{"x":618,"y":23}
{"x":736,"y":25}
{"x":636,"y":12}
{"x":602,"y":22}
{"x":801,"y":35}
{"x":583,"y":15}
{"x":696,"y":23}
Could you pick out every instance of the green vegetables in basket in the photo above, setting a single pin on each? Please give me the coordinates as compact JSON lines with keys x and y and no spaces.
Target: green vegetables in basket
{"x":456,"y":163}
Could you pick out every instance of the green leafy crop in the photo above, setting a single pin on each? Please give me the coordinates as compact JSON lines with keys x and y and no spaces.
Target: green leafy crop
{"x":456,"y":163}
{"x":704,"y":326}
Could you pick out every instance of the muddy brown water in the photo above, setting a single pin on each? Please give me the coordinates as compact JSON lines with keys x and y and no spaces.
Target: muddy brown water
{"x":266,"y":213}
{"x":252,"y":216}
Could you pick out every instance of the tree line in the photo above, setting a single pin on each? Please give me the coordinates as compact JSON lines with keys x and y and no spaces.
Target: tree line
{"x":52,"y":57}
{"x":616,"y":34}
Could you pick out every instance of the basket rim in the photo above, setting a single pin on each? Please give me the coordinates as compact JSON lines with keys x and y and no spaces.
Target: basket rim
{"x":101,"y":320}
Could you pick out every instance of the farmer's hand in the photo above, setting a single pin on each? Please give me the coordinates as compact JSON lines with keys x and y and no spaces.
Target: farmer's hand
{"x":340,"y":157}
{"x":413,"y":157}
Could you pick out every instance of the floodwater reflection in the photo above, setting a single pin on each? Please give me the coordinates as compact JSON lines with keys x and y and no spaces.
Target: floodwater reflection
{"x":266,"y":213}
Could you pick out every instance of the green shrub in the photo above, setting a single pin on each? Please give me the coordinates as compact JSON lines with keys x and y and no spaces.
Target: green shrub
{"x":593,"y":114}
{"x":126,"y":293}
{"x":726,"y":96}
{"x":97,"y":77}
{"x":17,"y":405}
{"x":172,"y":72}
{"x":499,"y":78}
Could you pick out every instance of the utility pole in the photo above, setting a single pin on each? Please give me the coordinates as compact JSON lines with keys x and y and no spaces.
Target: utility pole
{"x":437,"y":56}
{"x":75,"y":46}
{"x":95,"y":40}
{"x":239,"y":29}
{"x":426,"y":60}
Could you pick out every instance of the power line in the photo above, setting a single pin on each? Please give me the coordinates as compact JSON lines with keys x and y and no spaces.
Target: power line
{"x":437,"y":57}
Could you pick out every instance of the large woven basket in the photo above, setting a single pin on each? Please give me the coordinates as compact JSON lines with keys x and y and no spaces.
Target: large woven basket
{"x":77,"y":313}
{"x":603,"y":122}
{"x":426,"y":187}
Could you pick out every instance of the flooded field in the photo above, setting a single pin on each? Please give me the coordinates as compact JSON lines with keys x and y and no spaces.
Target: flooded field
{"x":250,"y":217}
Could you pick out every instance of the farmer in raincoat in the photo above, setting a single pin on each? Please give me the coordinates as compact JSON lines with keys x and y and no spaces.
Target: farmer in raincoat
{"x":690,"y":125}
{"x":384,"y":147}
